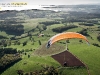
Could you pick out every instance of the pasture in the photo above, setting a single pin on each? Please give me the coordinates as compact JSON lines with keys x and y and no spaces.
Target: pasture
{"x":41,"y":56}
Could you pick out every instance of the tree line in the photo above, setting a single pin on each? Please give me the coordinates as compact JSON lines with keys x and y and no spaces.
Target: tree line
{"x":41,"y":27}
{"x":63,"y":28}
{"x":4,"y":51}
{"x":84,"y":32}
{"x":12,"y":27}
{"x":49,"y":22}
{"x":8,"y":56}
{"x":3,"y":37}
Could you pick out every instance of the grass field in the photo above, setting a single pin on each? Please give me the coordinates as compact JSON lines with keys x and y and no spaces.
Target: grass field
{"x":89,"y":54}
{"x":32,"y":23}
{"x":33,"y":63}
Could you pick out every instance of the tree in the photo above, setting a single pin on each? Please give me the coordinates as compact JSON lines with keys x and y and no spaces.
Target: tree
{"x":9,"y":43}
{"x":39,"y":42}
{"x":5,"y":45}
{"x":33,"y":40}
{"x":24,"y":43}
{"x":30,"y":37}
{"x":98,"y":37}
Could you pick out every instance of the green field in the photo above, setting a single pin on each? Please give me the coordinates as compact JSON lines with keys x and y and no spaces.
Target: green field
{"x":41,"y":56}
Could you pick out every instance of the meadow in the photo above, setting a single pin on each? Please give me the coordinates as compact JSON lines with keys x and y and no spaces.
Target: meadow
{"x":41,"y":56}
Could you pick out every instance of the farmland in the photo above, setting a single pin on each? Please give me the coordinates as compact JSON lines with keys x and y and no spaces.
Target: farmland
{"x":28,"y":31}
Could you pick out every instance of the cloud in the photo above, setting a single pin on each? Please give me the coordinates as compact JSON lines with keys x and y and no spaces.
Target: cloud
{"x":54,"y":2}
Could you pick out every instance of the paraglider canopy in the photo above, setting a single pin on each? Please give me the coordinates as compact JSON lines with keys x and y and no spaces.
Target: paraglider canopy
{"x":65,"y":35}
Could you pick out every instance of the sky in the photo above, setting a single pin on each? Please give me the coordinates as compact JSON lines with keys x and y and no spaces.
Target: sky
{"x":54,"y":2}
{"x":34,"y":3}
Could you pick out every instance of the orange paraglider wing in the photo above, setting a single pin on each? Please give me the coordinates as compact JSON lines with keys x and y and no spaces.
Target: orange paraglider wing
{"x":66,"y":35}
